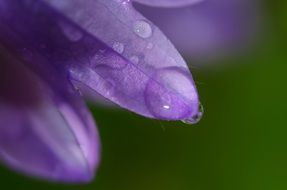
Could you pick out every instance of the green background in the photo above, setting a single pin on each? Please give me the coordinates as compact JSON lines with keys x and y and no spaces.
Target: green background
{"x":240,"y":144}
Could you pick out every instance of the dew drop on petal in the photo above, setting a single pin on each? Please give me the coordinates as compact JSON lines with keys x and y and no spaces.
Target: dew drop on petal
{"x":195,"y":118}
{"x":70,"y":32}
{"x":108,"y":86}
{"x":149,"y":46}
{"x":119,"y":47}
{"x":124,"y":2}
{"x":170,"y":94}
{"x":134,"y":59}
{"x":142,"y":29}
{"x":166,"y":107}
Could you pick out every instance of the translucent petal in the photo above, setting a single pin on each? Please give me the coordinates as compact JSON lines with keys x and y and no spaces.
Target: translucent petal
{"x":106,"y":47}
{"x":136,"y":52}
{"x":208,"y":29}
{"x":45,"y":131}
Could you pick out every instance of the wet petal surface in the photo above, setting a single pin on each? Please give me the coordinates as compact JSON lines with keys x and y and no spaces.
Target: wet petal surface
{"x":103,"y":46}
{"x":135,"y":51}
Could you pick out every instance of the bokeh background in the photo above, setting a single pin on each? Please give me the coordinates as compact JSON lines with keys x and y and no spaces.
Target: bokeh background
{"x":240,"y":144}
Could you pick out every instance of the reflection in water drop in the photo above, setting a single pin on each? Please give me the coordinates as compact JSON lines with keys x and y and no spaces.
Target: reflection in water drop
{"x":134,"y":59}
{"x":149,"y":46}
{"x":171,"y":94}
{"x":195,"y":118}
{"x":72,"y":33}
{"x":166,"y":106}
{"x":142,"y":29}
{"x":119,"y":47}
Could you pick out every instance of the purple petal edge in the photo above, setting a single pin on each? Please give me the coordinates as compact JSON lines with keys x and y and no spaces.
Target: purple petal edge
{"x":122,"y":69}
{"x":211,"y":29}
{"x":44,"y":132}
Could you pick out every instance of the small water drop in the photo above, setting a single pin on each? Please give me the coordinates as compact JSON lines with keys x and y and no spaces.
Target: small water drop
{"x":119,"y":47}
{"x":134,"y":59}
{"x":142,"y":29}
{"x":125,"y":2}
{"x":149,"y":46}
{"x":195,"y":118}
{"x":72,"y":33}
{"x":108,"y":87}
{"x":166,"y":107}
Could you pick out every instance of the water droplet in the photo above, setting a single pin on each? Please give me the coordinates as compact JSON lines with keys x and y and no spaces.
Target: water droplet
{"x":134,"y":59}
{"x":149,"y":46}
{"x":195,"y":118}
{"x":119,"y":47}
{"x":84,"y":75}
{"x":104,"y":61}
{"x":166,"y":106}
{"x":108,"y":87}
{"x":72,"y":33}
{"x":142,"y":29}
{"x":170,"y":94}
{"x":125,"y":2}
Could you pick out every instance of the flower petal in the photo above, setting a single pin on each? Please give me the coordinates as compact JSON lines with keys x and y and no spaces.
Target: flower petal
{"x":168,"y":3}
{"x":44,"y":132}
{"x":208,"y":28}
{"x":107,"y":47}
{"x":136,"y":67}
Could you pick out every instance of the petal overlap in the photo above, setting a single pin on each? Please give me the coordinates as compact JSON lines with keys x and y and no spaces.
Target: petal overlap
{"x":105,"y":46}
{"x":53,"y":51}
{"x":122,"y":71}
{"x":45,"y":131}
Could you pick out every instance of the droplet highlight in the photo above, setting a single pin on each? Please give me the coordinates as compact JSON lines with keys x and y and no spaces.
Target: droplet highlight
{"x":72,"y":33}
{"x":196,"y":117}
{"x":149,"y":46}
{"x":142,"y":29}
{"x":170,"y":94}
{"x":134,"y":59}
{"x":118,"y":47}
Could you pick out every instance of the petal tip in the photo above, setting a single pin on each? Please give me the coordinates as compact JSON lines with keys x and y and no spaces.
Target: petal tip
{"x":171,"y":95}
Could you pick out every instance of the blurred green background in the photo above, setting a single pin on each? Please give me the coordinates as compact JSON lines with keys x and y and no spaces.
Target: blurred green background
{"x":240,"y":144}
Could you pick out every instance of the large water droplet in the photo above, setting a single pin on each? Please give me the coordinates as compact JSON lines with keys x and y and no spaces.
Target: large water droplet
{"x":196,"y":117}
{"x":170,"y":94}
{"x":119,"y":47}
{"x":72,"y":33}
{"x":142,"y":29}
{"x":108,"y":87}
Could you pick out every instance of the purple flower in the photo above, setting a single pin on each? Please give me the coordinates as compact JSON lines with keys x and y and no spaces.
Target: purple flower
{"x":52,"y":51}
{"x":208,"y":28}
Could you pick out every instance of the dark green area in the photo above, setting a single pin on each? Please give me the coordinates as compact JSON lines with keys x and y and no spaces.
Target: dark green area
{"x":240,"y":144}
